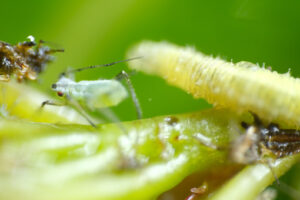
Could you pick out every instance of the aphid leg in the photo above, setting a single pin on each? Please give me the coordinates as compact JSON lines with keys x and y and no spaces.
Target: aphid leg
{"x":245,"y":125}
{"x":56,"y":50}
{"x":264,"y":151}
{"x":273,"y":172}
{"x":257,"y":121}
{"x":110,"y":115}
{"x":124,"y":75}
{"x":74,"y":103}
{"x":48,"y":102}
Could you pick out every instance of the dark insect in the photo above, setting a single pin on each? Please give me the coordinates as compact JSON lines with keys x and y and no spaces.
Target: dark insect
{"x":261,"y":140}
{"x":25,"y":60}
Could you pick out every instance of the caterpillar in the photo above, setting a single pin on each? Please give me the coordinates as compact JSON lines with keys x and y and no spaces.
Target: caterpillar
{"x":241,"y":86}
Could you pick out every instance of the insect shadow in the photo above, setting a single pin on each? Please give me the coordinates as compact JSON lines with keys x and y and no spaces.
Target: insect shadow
{"x":95,"y":94}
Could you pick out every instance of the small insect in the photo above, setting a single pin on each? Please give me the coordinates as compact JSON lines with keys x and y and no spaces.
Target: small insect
{"x":25,"y":60}
{"x":242,"y":86}
{"x":261,"y":143}
{"x":95,"y":94}
{"x":261,"y":140}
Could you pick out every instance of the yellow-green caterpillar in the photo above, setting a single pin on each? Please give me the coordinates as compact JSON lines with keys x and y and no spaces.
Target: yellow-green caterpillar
{"x":242,"y":86}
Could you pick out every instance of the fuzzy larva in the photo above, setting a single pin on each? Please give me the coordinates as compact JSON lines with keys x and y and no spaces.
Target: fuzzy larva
{"x":242,"y":86}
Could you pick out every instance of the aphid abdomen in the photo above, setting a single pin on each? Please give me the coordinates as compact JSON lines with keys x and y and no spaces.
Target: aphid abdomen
{"x":101,"y":93}
{"x":241,"y":87}
{"x":284,"y":142}
{"x":284,"y":149}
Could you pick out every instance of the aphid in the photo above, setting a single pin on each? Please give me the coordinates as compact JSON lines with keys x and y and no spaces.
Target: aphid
{"x":261,"y":140}
{"x":241,"y":87}
{"x":96,"y":94}
{"x":25,"y":60}
{"x":261,"y":143}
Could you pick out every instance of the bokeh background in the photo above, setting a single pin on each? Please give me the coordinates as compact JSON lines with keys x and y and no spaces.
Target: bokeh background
{"x":100,"y":31}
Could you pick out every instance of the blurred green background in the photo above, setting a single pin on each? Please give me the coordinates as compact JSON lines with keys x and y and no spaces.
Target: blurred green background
{"x":98,"y":32}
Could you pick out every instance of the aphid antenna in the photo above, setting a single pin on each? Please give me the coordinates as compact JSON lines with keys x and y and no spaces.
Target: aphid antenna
{"x":98,"y":66}
{"x":56,"y":50}
{"x":256,"y":120}
{"x":52,"y":44}
{"x":49,"y":42}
